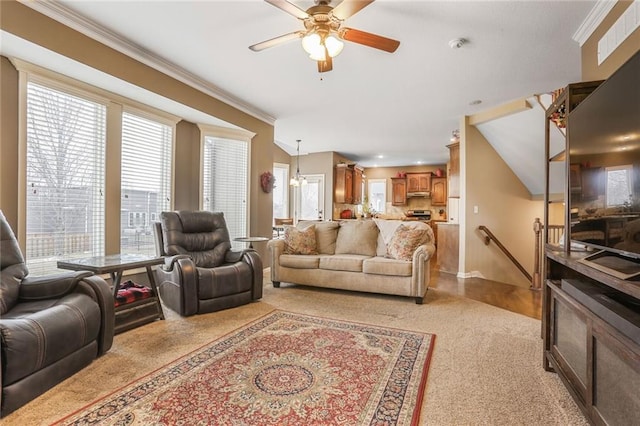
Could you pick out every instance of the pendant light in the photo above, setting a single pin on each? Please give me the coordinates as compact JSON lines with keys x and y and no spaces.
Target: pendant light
{"x":297,"y":180}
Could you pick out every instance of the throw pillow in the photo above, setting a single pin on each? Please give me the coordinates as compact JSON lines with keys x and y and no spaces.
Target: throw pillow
{"x":357,"y":237}
{"x":300,"y":241}
{"x":404,"y":242}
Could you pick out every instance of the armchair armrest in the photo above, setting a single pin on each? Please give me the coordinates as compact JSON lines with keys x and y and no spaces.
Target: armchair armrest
{"x":170,"y":261}
{"x":50,"y":286}
{"x":233,"y":256}
{"x":177,"y":280}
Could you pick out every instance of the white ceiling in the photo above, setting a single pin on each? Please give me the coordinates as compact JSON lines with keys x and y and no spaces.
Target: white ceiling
{"x":402,"y":106}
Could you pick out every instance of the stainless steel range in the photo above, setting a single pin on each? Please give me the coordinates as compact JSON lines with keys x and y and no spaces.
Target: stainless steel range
{"x":418,"y":214}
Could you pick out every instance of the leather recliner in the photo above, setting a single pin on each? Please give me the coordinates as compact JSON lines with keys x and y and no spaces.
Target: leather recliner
{"x":201,"y":272}
{"x":50,"y":326}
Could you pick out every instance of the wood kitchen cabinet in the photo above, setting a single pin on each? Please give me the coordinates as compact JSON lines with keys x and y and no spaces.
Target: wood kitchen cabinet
{"x":454,"y":170}
{"x":357,"y":185}
{"x":418,"y":182}
{"x":398,"y":191}
{"x":343,"y":188}
{"x":439,"y":191}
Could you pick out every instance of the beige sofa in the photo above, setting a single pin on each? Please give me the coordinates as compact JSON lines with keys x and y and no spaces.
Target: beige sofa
{"x":376,"y":256}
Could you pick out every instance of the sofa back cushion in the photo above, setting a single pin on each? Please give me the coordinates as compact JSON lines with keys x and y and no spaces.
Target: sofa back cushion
{"x":12,"y":266}
{"x":357,"y":237}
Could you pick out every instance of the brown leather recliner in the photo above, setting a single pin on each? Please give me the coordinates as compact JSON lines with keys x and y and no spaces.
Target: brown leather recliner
{"x":50,"y":326}
{"x":201,"y":272}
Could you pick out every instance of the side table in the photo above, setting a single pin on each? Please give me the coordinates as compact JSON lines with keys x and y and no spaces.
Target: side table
{"x":251,"y":240}
{"x":132,"y":314}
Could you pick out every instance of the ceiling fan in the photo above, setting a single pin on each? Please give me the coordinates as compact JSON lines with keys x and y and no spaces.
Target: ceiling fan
{"x":324,"y":30}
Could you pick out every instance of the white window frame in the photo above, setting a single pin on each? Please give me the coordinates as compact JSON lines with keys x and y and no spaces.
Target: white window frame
{"x":115,"y":104}
{"x":231,"y":134}
{"x":285,"y":187}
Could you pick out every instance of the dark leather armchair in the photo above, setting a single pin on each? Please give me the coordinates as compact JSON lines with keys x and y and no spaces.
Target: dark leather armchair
{"x":50,"y":327}
{"x":201,"y":273}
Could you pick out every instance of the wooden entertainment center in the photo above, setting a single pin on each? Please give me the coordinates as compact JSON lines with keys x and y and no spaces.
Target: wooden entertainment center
{"x":591,"y":317}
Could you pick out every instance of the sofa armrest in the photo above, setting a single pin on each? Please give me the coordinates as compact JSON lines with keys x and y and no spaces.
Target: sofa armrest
{"x":180,"y":272}
{"x":276,"y":249}
{"x":421,"y":269}
{"x":50,"y":286}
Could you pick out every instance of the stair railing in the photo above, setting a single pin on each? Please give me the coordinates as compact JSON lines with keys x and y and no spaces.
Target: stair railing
{"x":554,"y":234}
{"x":490,"y":237}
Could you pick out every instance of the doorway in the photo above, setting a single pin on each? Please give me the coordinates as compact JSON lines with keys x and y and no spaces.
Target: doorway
{"x":310,"y":199}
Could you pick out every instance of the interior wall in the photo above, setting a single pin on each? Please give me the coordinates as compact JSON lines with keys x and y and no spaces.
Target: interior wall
{"x":590,"y":68}
{"x":504,"y":206}
{"x":32,"y":26}
{"x":281,"y":156}
{"x":187,"y":166}
{"x":8,"y":145}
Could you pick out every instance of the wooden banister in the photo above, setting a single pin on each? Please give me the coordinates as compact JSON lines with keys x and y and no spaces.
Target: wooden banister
{"x":490,"y":237}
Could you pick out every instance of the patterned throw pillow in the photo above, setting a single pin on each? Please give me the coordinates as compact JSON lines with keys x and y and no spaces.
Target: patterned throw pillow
{"x":404,"y":242}
{"x":300,"y":241}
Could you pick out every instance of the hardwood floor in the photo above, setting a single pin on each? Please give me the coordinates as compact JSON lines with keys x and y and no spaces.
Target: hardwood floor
{"x":510,"y":297}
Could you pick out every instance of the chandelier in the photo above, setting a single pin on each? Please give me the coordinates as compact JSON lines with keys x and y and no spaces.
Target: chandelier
{"x":298,"y":180}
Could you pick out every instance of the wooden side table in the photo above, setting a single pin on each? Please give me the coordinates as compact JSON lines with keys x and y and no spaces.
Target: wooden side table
{"x":129,"y":315}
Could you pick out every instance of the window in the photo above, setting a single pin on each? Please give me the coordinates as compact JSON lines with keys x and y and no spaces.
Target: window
{"x":225,"y":181}
{"x":281,"y":191}
{"x":619,"y":180}
{"x":145,"y":180}
{"x":66,"y":138}
{"x":377,"y":194}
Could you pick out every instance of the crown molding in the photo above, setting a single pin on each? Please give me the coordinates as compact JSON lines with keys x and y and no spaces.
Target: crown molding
{"x":66,"y":16}
{"x":593,"y":20}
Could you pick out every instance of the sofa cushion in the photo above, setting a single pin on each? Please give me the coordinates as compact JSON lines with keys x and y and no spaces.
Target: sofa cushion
{"x":385,"y":266}
{"x":357,"y":237}
{"x":300,"y":241}
{"x":343,"y":262}
{"x":405,"y":241}
{"x":298,"y":261}
{"x":326,"y":235}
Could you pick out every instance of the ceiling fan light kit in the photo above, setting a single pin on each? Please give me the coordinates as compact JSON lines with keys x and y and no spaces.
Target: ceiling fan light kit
{"x":323,"y":36}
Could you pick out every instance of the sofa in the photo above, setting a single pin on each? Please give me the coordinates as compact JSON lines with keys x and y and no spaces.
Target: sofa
{"x":371,"y":255}
{"x":51,"y":326}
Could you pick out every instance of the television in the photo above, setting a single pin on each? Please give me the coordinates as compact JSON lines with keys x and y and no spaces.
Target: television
{"x":603,"y":142}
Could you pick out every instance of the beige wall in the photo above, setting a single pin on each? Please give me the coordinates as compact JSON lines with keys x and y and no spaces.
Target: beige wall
{"x":504,"y":206}
{"x":8,"y":138}
{"x":30,"y":25}
{"x":590,"y":68}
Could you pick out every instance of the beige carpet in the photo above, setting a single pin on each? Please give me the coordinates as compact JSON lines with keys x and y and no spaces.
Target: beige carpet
{"x":486,"y":367}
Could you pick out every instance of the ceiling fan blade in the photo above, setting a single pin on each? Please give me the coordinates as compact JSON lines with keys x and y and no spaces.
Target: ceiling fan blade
{"x":371,"y":40}
{"x":326,"y":65}
{"x":276,"y":41}
{"x":349,"y":8}
{"x":290,"y":8}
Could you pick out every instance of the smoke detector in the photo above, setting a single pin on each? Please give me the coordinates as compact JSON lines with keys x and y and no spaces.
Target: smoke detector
{"x":457,"y":43}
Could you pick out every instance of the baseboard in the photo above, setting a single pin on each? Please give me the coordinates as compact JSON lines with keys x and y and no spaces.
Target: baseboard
{"x":472,"y":274}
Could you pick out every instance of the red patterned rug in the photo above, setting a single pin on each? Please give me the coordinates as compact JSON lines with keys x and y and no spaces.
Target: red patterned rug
{"x":283,"y":369}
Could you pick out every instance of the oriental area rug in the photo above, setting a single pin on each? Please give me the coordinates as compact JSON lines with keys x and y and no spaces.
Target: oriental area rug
{"x":282,"y":369}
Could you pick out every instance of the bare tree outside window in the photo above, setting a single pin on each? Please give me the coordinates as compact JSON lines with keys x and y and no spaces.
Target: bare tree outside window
{"x":65,"y":169}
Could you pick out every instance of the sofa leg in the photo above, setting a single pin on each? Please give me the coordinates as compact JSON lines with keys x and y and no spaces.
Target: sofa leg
{"x":419,"y":300}
{"x":276,"y":284}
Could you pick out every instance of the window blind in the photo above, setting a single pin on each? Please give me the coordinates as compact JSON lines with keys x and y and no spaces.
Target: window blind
{"x":66,"y":137}
{"x":145,"y":180}
{"x":225,"y":180}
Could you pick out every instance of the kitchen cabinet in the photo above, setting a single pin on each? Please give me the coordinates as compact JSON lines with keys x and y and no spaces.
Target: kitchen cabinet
{"x":454,"y":170}
{"x":418,"y":182}
{"x":398,"y":191}
{"x":357,"y":185}
{"x":343,"y":187}
{"x":439,"y":191}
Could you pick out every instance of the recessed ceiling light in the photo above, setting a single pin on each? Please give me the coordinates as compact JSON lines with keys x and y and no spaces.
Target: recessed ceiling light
{"x":380,"y":156}
{"x":418,"y":162}
{"x":476,"y":102}
{"x":457,"y":43}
